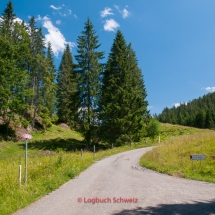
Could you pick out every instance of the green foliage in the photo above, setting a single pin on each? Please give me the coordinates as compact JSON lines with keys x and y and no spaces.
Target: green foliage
{"x":49,"y":86}
{"x":153,"y":128}
{"x":88,"y":74}
{"x":25,"y":123}
{"x":122,"y":104}
{"x":54,"y":118}
{"x":104,"y":103}
{"x":67,"y":90}
{"x":197,"y":113}
{"x":45,"y":115}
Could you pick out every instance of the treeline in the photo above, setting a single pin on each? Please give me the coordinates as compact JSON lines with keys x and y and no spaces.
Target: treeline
{"x":104,"y":101}
{"x":198,"y":113}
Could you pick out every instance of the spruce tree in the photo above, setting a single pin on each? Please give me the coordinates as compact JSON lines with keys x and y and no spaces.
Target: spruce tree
{"x":123,"y":107}
{"x":89,"y":74}
{"x":8,"y":18}
{"x":67,"y":90}
{"x":37,"y":64}
{"x":49,"y":85}
{"x":13,"y":71}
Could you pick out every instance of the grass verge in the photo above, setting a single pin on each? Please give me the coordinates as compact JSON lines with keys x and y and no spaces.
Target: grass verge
{"x":53,"y":159}
{"x":173,"y":157}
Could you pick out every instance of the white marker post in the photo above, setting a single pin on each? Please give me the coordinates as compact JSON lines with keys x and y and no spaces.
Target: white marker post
{"x":20,"y":175}
{"x":26,"y":136}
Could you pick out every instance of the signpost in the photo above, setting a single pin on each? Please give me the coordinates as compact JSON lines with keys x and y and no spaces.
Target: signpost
{"x":197,"y":157}
{"x":26,"y":136}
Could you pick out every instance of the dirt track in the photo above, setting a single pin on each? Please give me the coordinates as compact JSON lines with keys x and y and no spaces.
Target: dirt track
{"x":126,"y":188}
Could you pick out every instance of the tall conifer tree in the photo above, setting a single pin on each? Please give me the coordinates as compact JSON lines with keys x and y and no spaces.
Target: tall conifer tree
{"x":36,"y":66}
{"x":89,"y":73}
{"x":8,"y":18}
{"x":67,"y":89}
{"x":13,"y":71}
{"x":49,"y":85}
{"x":123,"y":107}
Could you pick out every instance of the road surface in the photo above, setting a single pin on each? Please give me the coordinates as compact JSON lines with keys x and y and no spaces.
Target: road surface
{"x":117,"y":185}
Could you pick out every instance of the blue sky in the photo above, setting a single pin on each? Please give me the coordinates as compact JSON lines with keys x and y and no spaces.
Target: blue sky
{"x":174,"y":40}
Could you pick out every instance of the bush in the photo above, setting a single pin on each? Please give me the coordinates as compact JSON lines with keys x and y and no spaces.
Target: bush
{"x":153,"y":128}
{"x":44,"y":114}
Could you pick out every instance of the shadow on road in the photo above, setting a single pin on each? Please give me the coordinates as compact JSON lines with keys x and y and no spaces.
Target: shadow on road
{"x":196,"y":208}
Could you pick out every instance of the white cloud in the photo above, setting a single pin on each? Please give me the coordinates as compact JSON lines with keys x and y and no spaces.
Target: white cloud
{"x":210,"y":89}
{"x":149,"y":107}
{"x":117,"y":7}
{"x":39,"y":18}
{"x":55,"y":8}
{"x":18,"y":20}
{"x":106,"y":12}
{"x":179,"y":104}
{"x":125,"y":13}
{"x":111,"y":25}
{"x":75,"y":16}
{"x":62,"y":14}
{"x":54,"y":36}
{"x":70,"y":11}
{"x":176,"y":105}
{"x":58,"y":22}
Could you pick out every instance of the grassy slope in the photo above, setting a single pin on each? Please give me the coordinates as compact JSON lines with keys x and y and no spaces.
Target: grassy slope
{"x":173,"y":155}
{"x":53,"y":159}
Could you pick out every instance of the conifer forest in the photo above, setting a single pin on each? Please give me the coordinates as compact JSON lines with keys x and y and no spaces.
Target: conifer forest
{"x":105,"y":102}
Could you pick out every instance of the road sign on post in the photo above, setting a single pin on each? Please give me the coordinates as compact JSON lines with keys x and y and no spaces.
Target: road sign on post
{"x":197,"y":157}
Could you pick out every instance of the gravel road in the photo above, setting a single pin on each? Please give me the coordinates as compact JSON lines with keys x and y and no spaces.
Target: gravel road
{"x":126,"y":188}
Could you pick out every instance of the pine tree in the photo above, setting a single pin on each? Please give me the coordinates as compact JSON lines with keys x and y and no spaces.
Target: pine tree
{"x":49,"y":85}
{"x":123,"y":107}
{"x":13,"y":74}
{"x":8,"y":18}
{"x":37,"y":64}
{"x":89,"y":74}
{"x":67,"y":90}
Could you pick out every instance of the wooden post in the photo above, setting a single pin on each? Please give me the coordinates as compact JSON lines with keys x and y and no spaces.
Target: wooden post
{"x":159,"y":139}
{"x":192,"y":164}
{"x":81,"y":153}
{"x":130,"y":143}
{"x":20,"y":175}
{"x":94,"y":149}
{"x":112,"y":147}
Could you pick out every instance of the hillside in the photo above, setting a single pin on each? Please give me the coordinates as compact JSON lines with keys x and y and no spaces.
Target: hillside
{"x":173,"y":156}
{"x":198,"y":113}
{"x":54,"y":158}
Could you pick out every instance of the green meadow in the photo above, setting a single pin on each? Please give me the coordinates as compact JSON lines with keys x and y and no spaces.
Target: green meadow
{"x":172,"y":156}
{"x":54,"y":158}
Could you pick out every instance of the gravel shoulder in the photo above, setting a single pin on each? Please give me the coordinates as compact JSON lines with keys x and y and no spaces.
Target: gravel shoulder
{"x":118,"y":185}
